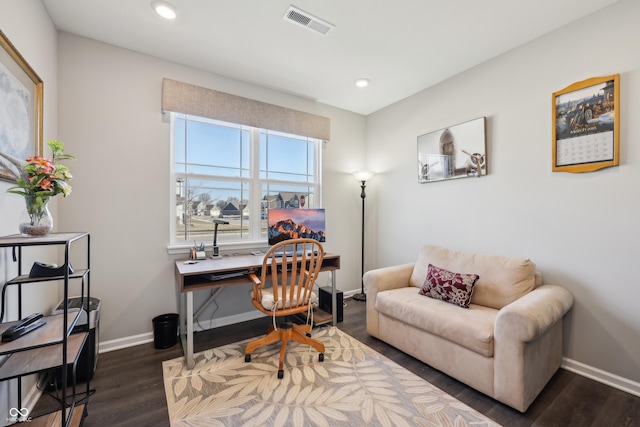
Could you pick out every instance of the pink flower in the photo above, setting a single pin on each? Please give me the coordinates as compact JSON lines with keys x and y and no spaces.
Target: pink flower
{"x":45,"y":184}
{"x":42,"y":164}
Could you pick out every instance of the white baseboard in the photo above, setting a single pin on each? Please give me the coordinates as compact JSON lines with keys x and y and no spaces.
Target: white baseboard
{"x":601,"y":376}
{"x":126,"y":342}
{"x":349,"y":294}
{"x":33,"y":396}
{"x":203,"y":325}
{"x":120,"y":343}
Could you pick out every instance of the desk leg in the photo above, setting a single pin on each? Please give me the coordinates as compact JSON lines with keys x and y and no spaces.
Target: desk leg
{"x":181,"y":319}
{"x":190,"y":330}
{"x":186,"y":298}
{"x":334,"y":309}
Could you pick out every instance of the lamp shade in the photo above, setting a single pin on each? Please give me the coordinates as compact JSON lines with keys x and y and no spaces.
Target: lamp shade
{"x":363,"y":175}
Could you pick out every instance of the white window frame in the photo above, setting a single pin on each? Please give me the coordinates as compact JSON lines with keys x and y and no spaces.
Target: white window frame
{"x":255,"y":193}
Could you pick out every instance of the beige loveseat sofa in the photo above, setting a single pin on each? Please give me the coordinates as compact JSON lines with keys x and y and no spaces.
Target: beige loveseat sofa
{"x":507,"y":344}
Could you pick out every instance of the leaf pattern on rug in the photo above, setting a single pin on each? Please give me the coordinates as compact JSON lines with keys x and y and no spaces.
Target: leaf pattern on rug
{"x":354,"y":386}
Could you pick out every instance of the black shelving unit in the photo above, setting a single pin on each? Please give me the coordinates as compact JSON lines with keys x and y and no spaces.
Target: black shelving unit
{"x":52,"y":345}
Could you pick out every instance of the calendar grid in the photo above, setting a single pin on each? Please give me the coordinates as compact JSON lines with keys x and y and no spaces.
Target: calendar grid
{"x":597,"y":147}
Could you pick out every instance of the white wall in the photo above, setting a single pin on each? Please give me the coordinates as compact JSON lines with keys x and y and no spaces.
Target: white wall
{"x":28,"y":27}
{"x":580,"y":229}
{"x":110,"y":119}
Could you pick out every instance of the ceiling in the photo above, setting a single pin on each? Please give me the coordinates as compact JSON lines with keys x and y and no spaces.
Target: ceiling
{"x":402,"y":46}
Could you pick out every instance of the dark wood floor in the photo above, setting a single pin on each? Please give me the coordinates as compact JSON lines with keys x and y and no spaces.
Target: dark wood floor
{"x":129,"y":390}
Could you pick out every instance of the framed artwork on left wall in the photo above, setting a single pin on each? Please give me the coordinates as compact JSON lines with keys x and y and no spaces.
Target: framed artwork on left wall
{"x":21,"y":92}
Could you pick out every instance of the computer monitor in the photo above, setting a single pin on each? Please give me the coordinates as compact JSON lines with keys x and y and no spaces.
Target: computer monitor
{"x":285,"y":224}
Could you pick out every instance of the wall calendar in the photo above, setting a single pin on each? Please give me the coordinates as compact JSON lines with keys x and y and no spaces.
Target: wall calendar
{"x":586,"y":125}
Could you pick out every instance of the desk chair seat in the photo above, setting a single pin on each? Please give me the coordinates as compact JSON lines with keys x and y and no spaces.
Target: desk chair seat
{"x":292,"y":276}
{"x":268,"y":300}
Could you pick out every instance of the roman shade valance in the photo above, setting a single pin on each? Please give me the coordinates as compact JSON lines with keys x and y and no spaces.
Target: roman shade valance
{"x":185,"y":98}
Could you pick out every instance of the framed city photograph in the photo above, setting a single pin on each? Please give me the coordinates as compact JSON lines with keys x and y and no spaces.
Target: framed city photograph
{"x":457,"y":151}
{"x":586,"y":125}
{"x":21,"y":93}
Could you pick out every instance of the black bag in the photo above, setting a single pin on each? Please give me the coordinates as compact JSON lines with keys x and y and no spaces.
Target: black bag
{"x":40,"y":269}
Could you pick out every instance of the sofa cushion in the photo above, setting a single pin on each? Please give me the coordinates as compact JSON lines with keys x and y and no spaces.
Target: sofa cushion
{"x":470,"y":328}
{"x":445,"y":285}
{"x":502,"y":279}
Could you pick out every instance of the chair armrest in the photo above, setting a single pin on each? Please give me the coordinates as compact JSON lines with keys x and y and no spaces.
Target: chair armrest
{"x":383,"y":279}
{"x":257,"y":286}
{"x":530,"y":316}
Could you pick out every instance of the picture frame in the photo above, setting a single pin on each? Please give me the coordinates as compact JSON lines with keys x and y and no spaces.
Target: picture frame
{"x":453,"y":152}
{"x":21,"y":106}
{"x":586,"y":125}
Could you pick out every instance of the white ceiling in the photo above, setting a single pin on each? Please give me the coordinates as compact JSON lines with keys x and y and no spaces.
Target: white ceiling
{"x":402,"y":46}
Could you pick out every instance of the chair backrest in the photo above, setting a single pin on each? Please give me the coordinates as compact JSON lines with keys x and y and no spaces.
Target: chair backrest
{"x":292,"y":266}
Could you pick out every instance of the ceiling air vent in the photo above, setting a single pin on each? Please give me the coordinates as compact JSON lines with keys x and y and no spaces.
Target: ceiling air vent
{"x":308,"y":21}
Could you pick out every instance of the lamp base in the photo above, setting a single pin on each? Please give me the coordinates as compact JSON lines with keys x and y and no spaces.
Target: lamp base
{"x":360,"y":297}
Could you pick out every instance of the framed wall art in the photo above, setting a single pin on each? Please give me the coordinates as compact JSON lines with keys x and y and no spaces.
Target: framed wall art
{"x":457,"y":151}
{"x":586,"y":125}
{"x":21,"y":93}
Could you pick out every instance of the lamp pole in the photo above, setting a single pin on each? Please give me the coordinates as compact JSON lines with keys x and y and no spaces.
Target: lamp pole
{"x":216,"y":250}
{"x":362,"y":177}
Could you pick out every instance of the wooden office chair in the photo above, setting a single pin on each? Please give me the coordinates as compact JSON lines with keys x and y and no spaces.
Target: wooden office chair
{"x":292,"y":267}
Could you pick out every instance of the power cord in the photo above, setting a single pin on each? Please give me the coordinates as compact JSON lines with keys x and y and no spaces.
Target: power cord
{"x":55,"y":393}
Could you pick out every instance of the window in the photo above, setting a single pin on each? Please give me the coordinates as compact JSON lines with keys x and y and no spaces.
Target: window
{"x":234,"y":174}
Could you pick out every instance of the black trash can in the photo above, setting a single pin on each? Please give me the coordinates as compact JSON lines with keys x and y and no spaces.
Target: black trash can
{"x":165,"y":330}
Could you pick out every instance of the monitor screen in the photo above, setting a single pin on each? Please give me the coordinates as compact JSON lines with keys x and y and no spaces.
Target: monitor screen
{"x":285,"y":224}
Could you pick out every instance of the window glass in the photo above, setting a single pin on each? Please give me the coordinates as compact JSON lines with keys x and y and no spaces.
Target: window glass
{"x":232,"y":174}
{"x":285,"y":158}
{"x":200,"y":201}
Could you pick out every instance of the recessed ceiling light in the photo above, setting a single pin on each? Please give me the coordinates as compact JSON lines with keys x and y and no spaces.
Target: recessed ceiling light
{"x":164,"y":9}
{"x":362,"y":82}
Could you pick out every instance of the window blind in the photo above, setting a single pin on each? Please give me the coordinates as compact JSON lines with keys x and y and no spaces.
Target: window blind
{"x":185,"y":98}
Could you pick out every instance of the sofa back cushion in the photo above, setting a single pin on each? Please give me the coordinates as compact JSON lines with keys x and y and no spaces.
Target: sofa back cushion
{"x":502,"y":279}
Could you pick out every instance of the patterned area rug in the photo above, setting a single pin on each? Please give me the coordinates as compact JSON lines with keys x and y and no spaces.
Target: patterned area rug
{"x":354,"y":386}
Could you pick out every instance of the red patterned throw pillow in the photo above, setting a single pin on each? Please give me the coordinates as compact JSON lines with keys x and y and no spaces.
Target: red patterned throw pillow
{"x":445,"y":285}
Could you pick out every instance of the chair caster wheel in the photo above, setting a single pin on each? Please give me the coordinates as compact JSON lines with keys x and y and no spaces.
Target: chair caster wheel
{"x":280,"y":374}
{"x":247,"y":358}
{"x":321,"y":357}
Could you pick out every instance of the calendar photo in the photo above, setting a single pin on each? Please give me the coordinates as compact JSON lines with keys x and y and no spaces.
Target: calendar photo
{"x":586,"y":125}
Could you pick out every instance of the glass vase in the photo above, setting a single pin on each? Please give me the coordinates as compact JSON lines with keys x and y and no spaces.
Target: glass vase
{"x":36,"y":219}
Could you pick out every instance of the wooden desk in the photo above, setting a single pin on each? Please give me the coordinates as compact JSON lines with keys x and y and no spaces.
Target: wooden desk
{"x":221,"y":272}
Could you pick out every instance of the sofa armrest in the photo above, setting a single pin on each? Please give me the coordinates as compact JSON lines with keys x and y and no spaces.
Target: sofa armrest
{"x":528,"y":317}
{"x":528,"y":344}
{"x":383,"y":279}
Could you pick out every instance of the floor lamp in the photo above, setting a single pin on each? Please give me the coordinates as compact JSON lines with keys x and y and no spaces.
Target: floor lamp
{"x":362,"y":177}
